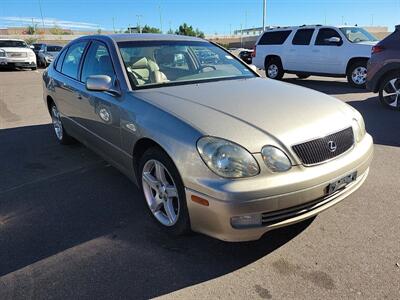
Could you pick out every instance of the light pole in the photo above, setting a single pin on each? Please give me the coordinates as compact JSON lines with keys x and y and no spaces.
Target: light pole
{"x":264,"y":13}
{"x":138,"y":23}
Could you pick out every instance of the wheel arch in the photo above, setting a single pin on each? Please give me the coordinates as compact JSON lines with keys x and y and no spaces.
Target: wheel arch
{"x":386,"y":72}
{"x":271,"y":57}
{"x":49,"y":101}
{"x":353,"y":60}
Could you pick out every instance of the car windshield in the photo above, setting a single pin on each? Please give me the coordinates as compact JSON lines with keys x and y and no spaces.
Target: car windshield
{"x":358,"y":35}
{"x":13,"y":44}
{"x":153,"y":63}
{"x":54,"y":48}
{"x":37,"y":46}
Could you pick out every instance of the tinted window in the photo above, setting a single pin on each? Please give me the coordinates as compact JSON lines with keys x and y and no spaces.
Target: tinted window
{"x":274,"y":37}
{"x":12,"y":43}
{"x":97,"y":62}
{"x":54,"y":48}
{"x":303,"y":37}
{"x":60,"y":60}
{"x":324,"y":34}
{"x":72,"y":58}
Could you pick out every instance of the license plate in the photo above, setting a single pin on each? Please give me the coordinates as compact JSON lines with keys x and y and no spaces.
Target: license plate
{"x":341,"y":183}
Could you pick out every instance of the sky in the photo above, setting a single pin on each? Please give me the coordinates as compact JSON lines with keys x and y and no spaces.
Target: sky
{"x":212,"y":17}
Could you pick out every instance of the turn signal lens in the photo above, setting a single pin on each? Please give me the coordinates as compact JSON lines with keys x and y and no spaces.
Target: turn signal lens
{"x":200,"y":200}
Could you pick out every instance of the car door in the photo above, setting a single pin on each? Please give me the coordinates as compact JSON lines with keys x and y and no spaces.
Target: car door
{"x":329,"y":51}
{"x":99,"y":112}
{"x":299,"y":55}
{"x":67,"y":85}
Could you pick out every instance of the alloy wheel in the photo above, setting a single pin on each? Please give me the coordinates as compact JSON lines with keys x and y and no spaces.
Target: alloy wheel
{"x":391,"y":93}
{"x":272,"y":71}
{"x":161,"y":192}
{"x":359,"y":75}
{"x":56,"y":119}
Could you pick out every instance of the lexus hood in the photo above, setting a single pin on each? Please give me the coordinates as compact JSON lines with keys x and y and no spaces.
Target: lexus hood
{"x":253,"y":112}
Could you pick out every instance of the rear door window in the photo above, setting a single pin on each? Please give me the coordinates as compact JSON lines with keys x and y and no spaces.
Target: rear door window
{"x":60,"y":60}
{"x":303,"y":37}
{"x":274,"y":37}
{"x":72,"y":59}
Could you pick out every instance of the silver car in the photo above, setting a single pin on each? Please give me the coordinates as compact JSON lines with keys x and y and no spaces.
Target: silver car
{"x":213,"y":147}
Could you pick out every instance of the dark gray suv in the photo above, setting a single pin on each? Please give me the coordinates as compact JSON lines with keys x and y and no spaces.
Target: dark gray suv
{"x":384,"y":70}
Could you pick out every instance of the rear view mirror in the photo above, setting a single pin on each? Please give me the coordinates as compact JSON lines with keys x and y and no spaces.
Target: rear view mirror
{"x":101,"y":83}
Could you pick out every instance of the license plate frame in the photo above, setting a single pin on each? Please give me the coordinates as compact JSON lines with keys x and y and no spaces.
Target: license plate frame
{"x":341,"y":183}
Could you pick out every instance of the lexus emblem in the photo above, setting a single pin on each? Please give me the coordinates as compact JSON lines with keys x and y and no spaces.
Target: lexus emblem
{"x":332,"y":146}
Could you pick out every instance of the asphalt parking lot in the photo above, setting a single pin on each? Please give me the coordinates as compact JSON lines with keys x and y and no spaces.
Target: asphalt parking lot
{"x":73,"y":227}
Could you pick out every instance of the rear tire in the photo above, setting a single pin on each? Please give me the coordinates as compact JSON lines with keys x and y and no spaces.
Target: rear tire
{"x":34,"y":68}
{"x":389,"y":91}
{"x":164,"y":192}
{"x":274,"y":69}
{"x":62,"y":136}
{"x":357,"y":74}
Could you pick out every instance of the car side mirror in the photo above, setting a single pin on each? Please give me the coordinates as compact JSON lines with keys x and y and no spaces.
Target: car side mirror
{"x":334,"y":40}
{"x":101,"y":83}
{"x":32,"y":47}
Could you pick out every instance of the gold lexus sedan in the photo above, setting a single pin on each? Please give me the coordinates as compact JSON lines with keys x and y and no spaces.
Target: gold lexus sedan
{"x":213,"y":147}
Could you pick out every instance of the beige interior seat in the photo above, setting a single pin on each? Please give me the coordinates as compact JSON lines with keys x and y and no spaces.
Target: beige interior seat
{"x":145,"y":71}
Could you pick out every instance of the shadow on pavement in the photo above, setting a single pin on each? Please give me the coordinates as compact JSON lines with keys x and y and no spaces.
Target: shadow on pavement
{"x":328,"y":87}
{"x":72,"y":226}
{"x":382,"y":123}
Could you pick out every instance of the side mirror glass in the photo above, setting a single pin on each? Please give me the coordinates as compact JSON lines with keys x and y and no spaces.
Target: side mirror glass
{"x":32,"y":47}
{"x":101,"y":83}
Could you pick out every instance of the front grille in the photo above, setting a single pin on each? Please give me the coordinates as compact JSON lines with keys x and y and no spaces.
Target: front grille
{"x":16,"y":54}
{"x":318,"y":150}
{"x":269,"y":218}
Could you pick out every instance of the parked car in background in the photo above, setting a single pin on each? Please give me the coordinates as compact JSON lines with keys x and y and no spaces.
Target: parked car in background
{"x":315,"y":50}
{"x":16,"y":53}
{"x":384,"y":70}
{"x":47,"y":54}
{"x":246,"y":56}
{"x":213,"y":147}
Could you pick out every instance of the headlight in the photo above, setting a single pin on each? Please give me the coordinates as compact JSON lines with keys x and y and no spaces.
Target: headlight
{"x":275,"y":159}
{"x":358,"y":128}
{"x":226,"y":158}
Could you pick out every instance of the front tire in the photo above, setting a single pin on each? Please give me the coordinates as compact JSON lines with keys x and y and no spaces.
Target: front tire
{"x":389,"y":91}
{"x":164,"y":192}
{"x":357,"y":74}
{"x":274,"y":69}
{"x":61,"y":135}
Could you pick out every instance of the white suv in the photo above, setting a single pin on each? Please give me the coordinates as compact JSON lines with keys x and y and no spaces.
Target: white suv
{"x":16,"y":53}
{"x":315,"y":50}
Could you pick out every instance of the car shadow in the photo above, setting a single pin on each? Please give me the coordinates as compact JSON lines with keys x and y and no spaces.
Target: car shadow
{"x":382,"y":123}
{"x":76,"y":226}
{"x":326,"y":86}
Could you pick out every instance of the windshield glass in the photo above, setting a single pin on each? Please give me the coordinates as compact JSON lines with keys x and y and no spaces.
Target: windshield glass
{"x":151,"y":63}
{"x":9,"y":44}
{"x":54,"y":48}
{"x":37,"y":46}
{"x":357,"y":35}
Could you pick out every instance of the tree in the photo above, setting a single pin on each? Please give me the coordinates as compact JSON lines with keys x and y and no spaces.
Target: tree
{"x":170,"y":31}
{"x":149,"y":29}
{"x":185,"y":29}
{"x":31,"y":29}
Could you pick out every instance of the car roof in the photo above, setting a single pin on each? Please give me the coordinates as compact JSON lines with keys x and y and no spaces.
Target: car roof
{"x":146,"y":37}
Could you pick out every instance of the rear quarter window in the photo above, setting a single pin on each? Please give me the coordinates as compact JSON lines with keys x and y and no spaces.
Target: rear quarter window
{"x":274,"y":37}
{"x":303,"y":37}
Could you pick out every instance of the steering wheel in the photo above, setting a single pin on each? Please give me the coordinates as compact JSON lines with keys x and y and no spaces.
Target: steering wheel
{"x":204,"y":67}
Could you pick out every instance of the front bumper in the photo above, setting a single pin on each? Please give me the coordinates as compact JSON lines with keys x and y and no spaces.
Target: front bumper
{"x":26,"y":62}
{"x":289,"y":205}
